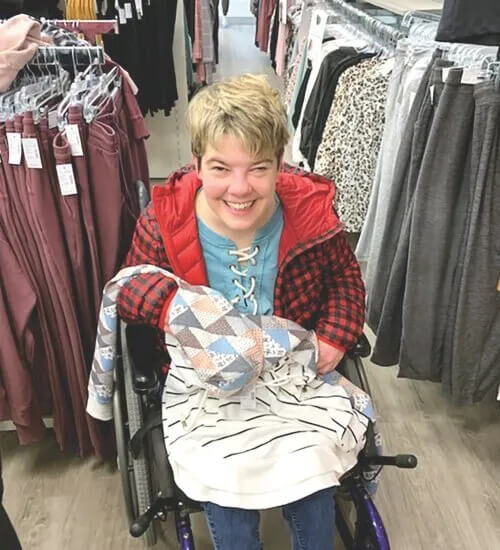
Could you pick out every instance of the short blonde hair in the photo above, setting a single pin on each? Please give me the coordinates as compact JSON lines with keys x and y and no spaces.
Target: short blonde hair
{"x":245,"y":107}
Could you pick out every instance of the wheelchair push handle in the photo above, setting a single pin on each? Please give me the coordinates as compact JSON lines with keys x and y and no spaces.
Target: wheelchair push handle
{"x":400,"y":461}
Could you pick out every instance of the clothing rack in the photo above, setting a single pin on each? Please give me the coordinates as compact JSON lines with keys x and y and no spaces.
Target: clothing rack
{"x":68,"y":56}
{"x":367,"y":22}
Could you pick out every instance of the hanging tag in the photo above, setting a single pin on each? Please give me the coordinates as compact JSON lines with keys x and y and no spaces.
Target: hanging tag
{"x":283,"y":11}
{"x":75,"y":143}
{"x":317,"y":28}
{"x":248,"y":400}
{"x":138,"y":7}
{"x":121,"y":16}
{"x":32,"y":153}
{"x":66,"y":179}
{"x":431,"y":91}
{"x":128,"y":10}
{"x":52,"y":119}
{"x":15,"y":150}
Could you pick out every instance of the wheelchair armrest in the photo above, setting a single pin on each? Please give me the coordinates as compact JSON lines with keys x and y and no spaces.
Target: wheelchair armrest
{"x":361,"y":349}
{"x":140,"y":346}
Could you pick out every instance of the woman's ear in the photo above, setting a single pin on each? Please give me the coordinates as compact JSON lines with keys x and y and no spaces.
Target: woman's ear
{"x":197,"y":164}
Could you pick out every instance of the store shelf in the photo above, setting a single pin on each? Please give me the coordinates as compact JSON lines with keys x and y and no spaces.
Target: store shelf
{"x":402,"y":6}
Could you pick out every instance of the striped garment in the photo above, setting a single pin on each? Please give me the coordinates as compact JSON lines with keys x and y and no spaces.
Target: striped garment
{"x":248,"y":426}
{"x":246,"y":422}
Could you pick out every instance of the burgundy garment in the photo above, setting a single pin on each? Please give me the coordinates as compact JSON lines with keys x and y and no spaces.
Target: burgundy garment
{"x":18,"y":226}
{"x":105,"y":184}
{"x":19,"y":396}
{"x":49,"y":232}
{"x":81,"y":168}
{"x":76,"y":241}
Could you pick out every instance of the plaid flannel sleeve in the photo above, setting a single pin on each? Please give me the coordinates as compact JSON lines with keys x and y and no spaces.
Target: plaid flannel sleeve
{"x":143,"y":299}
{"x":343,"y":313}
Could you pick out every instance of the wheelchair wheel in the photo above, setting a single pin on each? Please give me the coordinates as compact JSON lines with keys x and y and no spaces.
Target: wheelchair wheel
{"x":122,"y":437}
{"x":142,"y":479}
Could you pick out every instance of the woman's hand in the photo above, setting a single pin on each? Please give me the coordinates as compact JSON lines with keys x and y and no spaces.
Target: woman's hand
{"x":328,"y":357}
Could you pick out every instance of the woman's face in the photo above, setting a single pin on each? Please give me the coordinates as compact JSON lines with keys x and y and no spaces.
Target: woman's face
{"x":238,"y":188}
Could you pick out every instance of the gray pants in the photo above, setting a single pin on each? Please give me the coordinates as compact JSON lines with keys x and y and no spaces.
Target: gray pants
{"x":473,"y":368}
{"x":440,"y":204}
{"x":392,"y":268}
{"x":379,"y":267}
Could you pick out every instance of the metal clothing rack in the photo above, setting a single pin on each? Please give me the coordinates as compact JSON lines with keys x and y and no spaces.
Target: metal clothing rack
{"x":68,"y":56}
{"x":366,"y":22}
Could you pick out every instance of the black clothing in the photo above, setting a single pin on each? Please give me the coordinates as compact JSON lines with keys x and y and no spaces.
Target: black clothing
{"x":476,"y":22}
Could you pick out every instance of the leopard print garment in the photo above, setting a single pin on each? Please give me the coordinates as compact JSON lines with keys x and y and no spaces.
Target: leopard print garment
{"x":351,"y":140}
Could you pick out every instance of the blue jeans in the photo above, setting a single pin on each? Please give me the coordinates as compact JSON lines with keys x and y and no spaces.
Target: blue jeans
{"x":311,"y":521}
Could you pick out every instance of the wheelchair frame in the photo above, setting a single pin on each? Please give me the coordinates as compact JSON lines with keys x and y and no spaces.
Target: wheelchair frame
{"x":145,"y":471}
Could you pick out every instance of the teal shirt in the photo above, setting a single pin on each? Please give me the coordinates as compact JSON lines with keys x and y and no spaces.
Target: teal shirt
{"x":216,"y":250}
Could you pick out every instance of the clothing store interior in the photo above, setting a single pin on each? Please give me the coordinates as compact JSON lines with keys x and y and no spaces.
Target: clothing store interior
{"x":254,"y":236}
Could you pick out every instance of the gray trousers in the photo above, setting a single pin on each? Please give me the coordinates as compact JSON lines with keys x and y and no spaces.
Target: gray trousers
{"x":440,"y":205}
{"x":473,"y":368}
{"x":380,"y":267}
{"x":392,"y":268}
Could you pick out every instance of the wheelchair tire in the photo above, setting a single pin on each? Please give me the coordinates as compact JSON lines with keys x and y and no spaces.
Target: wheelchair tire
{"x":122,"y":438}
{"x":142,"y":476}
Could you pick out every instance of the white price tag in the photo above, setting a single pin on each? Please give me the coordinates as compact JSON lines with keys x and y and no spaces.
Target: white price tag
{"x":75,"y":143}
{"x":121,"y":16}
{"x":15,"y":148}
{"x":319,"y":19}
{"x":138,"y":6}
{"x":128,"y":10}
{"x":32,"y":153}
{"x":283,"y":11}
{"x":431,"y":92}
{"x":52,"y":119}
{"x":66,"y":179}
{"x":248,"y":400}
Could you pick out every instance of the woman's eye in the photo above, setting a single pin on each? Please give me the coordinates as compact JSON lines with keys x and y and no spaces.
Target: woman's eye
{"x":220,"y":169}
{"x":260,"y":169}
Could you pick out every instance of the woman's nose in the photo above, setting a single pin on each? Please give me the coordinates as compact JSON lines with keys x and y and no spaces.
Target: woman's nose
{"x":239,"y":185}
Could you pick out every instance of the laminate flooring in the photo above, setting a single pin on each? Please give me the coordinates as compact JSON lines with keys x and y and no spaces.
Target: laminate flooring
{"x":58,"y":501}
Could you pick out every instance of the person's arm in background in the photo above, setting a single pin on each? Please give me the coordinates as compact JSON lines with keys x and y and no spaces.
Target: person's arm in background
{"x":341,"y":322}
{"x":144,"y":299}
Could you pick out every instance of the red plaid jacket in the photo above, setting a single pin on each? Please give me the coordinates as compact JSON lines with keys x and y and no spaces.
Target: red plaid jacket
{"x":318,"y":284}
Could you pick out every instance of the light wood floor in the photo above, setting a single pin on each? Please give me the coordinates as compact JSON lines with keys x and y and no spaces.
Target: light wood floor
{"x":450,"y":502}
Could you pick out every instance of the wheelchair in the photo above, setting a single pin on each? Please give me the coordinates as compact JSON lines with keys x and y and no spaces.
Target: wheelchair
{"x":149,"y":490}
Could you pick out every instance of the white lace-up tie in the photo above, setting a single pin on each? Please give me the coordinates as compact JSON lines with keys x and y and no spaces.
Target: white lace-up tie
{"x":245,"y":255}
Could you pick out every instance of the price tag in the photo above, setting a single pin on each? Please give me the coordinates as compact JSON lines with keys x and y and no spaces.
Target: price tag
{"x":66,"y":179}
{"x":75,"y":143}
{"x":121,"y":16}
{"x":15,"y":148}
{"x":431,"y":92}
{"x":138,"y":7}
{"x":248,"y":400}
{"x":32,"y":153}
{"x":128,"y":10}
{"x":319,"y":19}
{"x":283,"y":11}
{"x":52,"y":119}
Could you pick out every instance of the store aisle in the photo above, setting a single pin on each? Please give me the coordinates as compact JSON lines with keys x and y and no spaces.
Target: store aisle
{"x":58,"y":501}
{"x":239,"y":55}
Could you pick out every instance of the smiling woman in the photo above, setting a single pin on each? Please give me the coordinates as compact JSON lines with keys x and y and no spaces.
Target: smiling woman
{"x":238,"y":193}
{"x":266,"y":238}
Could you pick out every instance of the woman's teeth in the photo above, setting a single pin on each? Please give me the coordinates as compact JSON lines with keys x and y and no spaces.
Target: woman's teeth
{"x":240,"y":205}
